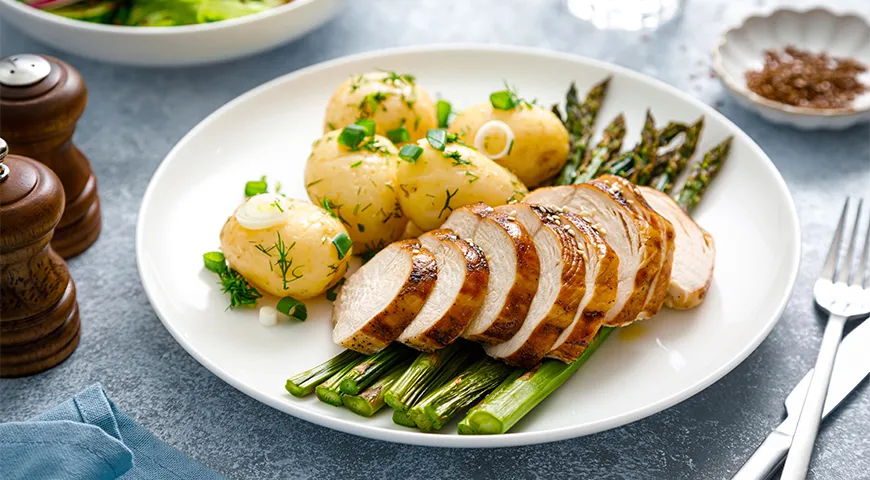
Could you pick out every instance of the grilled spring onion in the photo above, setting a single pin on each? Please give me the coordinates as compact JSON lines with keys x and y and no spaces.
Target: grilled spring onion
{"x":373,"y":367}
{"x":521,"y":392}
{"x":370,"y":400}
{"x":440,"y":406}
{"x":304,"y":383}
{"x":428,"y":372}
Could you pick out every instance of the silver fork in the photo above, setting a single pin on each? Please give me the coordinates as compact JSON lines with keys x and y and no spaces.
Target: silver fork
{"x":843,"y":292}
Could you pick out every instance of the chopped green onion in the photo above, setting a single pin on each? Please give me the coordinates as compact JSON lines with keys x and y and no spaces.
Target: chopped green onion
{"x":398,"y":135}
{"x":342,"y":245}
{"x":368,"y":125}
{"x":352,"y":136}
{"x":256,"y":187}
{"x":503,"y":100}
{"x":292,"y":308}
{"x":356,"y":164}
{"x":438,"y":138}
{"x":443,"y":108}
{"x":410,"y":153}
{"x":215,"y":262}
{"x":332,"y":292}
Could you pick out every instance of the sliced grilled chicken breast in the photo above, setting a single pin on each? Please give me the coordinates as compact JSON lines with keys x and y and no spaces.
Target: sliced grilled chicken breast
{"x":561,"y":286}
{"x":458,"y":293}
{"x":694,"y":256}
{"x":379,"y":301}
{"x":513,"y":270}
{"x":602,"y":280}
{"x":628,"y":194}
{"x":637,"y":243}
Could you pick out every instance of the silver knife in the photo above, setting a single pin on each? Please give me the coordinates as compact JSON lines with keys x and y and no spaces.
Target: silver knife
{"x":850,"y":367}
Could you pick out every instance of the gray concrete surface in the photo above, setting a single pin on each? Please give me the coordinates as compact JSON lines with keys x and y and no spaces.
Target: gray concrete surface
{"x":136,"y":115}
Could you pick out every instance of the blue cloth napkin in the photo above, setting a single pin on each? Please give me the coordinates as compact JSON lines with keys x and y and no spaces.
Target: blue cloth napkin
{"x":86,"y":437}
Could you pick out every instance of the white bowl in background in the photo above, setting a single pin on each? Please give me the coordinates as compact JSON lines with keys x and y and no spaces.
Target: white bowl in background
{"x":171,"y":46}
{"x":742,"y":49}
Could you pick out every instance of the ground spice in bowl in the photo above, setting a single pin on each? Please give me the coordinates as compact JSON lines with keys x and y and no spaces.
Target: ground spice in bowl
{"x":804,"y":79}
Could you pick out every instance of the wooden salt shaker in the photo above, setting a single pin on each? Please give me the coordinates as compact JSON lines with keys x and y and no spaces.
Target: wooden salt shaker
{"x":41,"y":99}
{"x":39,"y":316}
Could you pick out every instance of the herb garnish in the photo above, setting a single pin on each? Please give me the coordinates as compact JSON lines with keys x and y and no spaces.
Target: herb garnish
{"x":285,"y":263}
{"x":332,"y":292}
{"x":368,"y":125}
{"x":370,"y":103}
{"x":242,"y":294}
{"x":356,"y":164}
{"x":327,"y":205}
{"x":352,"y":136}
{"x":397,"y":79}
{"x":469,"y":174}
{"x":314,"y":183}
{"x":277,"y":205}
{"x":456,"y":156}
{"x":447,"y":202}
{"x":508,"y":99}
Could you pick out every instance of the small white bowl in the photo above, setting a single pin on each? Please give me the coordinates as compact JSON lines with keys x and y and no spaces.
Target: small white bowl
{"x":741,"y":49}
{"x":171,"y":46}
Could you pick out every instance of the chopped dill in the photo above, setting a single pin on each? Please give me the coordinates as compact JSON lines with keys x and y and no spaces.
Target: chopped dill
{"x":447,"y":201}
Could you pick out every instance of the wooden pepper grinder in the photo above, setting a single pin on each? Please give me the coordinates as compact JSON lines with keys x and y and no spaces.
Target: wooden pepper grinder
{"x":39,"y":316}
{"x":41,"y":99}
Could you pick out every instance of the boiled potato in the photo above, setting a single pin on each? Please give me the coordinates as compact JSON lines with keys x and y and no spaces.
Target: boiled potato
{"x":359,"y":186}
{"x":439,"y":182}
{"x":295,"y":257}
{"x":391,"y":100}
{"x":540,"y":144}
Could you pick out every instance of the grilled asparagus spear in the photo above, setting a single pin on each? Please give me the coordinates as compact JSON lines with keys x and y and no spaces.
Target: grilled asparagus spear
{"x":605,"y":151}
{"x":673,"y":162}
{"x":579,"y":120}
{"x":702,"y":174}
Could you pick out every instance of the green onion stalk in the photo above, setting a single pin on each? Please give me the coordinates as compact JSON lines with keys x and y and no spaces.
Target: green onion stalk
{"x":428,"y":372}
{"x":403,"y":419}
{"x":373,"y":367}
{"x":520,"y":393}
{"x":304,"y":383}
{"x":437,"y":408}
{"x":370,"y":400}
{"x":329,"y":391}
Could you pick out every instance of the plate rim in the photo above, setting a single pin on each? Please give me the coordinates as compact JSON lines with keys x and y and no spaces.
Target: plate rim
{"x":452,"y":440}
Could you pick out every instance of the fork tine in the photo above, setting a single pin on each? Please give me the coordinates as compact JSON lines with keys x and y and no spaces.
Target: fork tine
{"x":863,"y":275}
{"x":845,"y":271}
{"x":831,"y":262}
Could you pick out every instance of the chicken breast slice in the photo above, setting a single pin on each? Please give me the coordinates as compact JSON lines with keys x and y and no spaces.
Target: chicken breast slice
{"x":561,"y":286}
{"x":602,"y":280}
{"x":637,"y":243}
{"x":514,"y":269}
{"x":380,"y":299}
{"x":628,"y":194}
{"x":458,"y":293}
{"x":694,"y":256}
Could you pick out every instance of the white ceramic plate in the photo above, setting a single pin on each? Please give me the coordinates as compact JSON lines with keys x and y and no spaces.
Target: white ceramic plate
{"x":638,"y":372}
{"x":171,"y":46}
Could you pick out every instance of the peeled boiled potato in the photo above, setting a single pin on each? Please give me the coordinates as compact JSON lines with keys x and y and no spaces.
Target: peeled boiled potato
{"x":540,"y":145}
{"x":438,"y":182}
{"x":359,"y":186}
{"x":296,"y":257}
{"x":391,"y":100}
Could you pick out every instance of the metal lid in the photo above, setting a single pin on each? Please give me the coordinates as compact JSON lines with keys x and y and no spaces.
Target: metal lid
{"x":23,"y":70}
